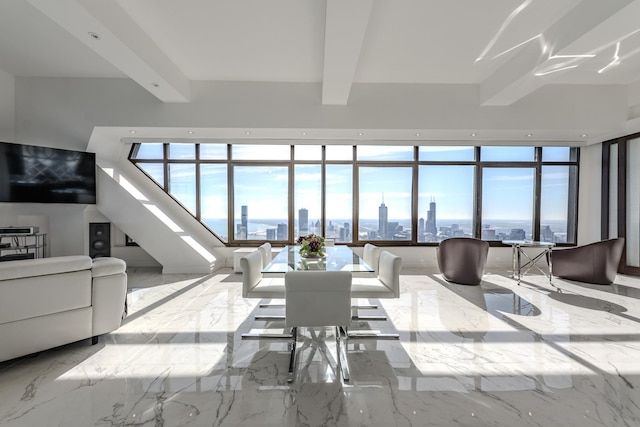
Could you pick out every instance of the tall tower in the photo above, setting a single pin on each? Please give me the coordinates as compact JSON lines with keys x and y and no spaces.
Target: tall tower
{"x":245,"y":216}
{"x":243,"y":230}
{"x":430,"y":227}
{"x":303,"y":221}
{"x":383,"y":220}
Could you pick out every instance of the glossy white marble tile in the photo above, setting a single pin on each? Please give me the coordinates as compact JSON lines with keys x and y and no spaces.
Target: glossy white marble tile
{"x":498,"y":354}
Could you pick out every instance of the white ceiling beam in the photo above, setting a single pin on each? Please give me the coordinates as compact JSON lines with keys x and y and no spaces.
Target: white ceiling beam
{"x":121,"y":42}
{"x":583,"y":31}
{"x":345,"y":29}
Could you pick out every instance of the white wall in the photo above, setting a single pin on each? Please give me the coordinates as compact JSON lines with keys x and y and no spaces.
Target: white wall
{"x":589,"y":203}
{"x":7,"y":107}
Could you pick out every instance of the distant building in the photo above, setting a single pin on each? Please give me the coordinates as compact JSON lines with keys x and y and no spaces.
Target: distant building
{"x":517,"y":234}
{"x":488,"y":234}
{"x":547,"y":235}
{"x":241,"y":229}
{"x":282,"y":232}
{"x":430,"y":228}
{"x":303,"y":221}
{"x":421,"y":230}
{"x":383,"y":219}
{"x":271,"y":234}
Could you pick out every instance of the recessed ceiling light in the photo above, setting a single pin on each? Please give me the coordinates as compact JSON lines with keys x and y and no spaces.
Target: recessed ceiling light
{"x":584,"y":135}
{"x":93,"y":35}
{"x":304,"y":133}
{"x":190,"y":132}
{"x":132,"y":131}
{"x":418,"y":134}
{"x":247,"y":133}
{"x":360,"y":133}
{"x":474,"y":134}
{"x":529,"y":134}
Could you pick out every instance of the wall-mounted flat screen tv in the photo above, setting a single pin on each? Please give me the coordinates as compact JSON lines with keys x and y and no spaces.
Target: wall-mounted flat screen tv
{"x":32,"y":174}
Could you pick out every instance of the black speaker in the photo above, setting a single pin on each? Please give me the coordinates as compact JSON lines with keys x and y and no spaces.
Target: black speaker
{"x":99,"y":239}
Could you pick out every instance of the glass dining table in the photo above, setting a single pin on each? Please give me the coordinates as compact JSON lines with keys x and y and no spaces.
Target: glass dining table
{"x":337,"y":258}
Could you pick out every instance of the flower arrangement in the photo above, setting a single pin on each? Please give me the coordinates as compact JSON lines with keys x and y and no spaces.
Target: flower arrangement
{"x":311,"y":245}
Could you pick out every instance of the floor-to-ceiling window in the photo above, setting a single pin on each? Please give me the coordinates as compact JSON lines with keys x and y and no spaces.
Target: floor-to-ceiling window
{"x":397,"y":194}
{"x":621,"y":197}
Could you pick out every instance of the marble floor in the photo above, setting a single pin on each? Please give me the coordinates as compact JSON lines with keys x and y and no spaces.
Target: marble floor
{"x":498,"y":354}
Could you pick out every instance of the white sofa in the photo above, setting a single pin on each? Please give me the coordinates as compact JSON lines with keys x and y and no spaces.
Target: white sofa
{"x":48,"y":302}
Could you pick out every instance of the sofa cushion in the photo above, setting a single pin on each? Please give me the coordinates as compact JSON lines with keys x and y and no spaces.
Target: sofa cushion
{"x":42,"y":295}
{"x":43,"y":266}
{"x":107,"y":266}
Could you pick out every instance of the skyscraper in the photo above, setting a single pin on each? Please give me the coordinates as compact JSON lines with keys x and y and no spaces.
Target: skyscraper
{"x":430,"y":227}
{"x":303,"y":221}
{"x":282,"y":231}
{"x":242,"y":228}
{"x":383,"y":220}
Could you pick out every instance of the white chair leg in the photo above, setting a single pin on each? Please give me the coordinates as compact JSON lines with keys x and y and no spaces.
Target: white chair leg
{"x":342,"y":354}
{"x":292,"y":357}
{"x":356,"y":316}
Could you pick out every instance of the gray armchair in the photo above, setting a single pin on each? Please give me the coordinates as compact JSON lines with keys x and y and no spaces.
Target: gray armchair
{"x":595,"y":263}
{"x":462,"y":259}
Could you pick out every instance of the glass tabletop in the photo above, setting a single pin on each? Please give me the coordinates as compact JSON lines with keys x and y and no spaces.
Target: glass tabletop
{"x":528,"y":243}
{"x":337,"y":258}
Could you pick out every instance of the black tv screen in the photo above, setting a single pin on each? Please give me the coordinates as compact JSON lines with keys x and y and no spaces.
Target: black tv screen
{"x":31,"y":174}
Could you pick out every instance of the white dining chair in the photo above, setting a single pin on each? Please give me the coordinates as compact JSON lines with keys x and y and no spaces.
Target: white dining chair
{"x":267,"y":254}
{"x":371,"y":255}
{"x":385,"y":285}
{"x":319,"y":299}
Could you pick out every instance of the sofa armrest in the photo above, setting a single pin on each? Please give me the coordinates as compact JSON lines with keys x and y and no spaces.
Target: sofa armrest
{"x":107,"y":266}
{"x":108,"y":294}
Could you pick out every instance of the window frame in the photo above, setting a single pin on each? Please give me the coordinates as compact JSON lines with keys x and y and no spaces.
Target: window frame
{"x":414,"y":164}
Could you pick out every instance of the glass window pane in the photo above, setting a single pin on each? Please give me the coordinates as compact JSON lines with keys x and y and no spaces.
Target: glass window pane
{"x":556,"y":154}
{"x":554,"y":204}
{"x":214,"y":199}
{"x":150,"y":150}
{"x":182,"y":184}
{"x":445,"y":202}
{"x":308,"y":152}
{"x":182,"y":151}
{"x":261,"y":152}
{"x":384,"y":152}
{"x":213,"y":151}
{"x":154,"y":170}
{"x":339,"y":203}
{"x":339,"y":152}
{"x":633,"y":204}
{"x":307,"y":198}
{"x":507,"y":203}
{"x":507,"y":154}
{"x":451,"y":154}
{"x":261,"y":202}
{"x":385,"y":203}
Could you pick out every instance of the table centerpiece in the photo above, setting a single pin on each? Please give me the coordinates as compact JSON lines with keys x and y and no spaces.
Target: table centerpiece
{"x":311,"y":246}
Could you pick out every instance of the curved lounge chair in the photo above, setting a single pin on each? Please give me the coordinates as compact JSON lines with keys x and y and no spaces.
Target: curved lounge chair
{"x":462,"y":259}
{"x":595,"y":263}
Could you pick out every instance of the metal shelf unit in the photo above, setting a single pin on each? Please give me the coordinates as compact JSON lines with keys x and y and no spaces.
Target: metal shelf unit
{"x":23,"y":246}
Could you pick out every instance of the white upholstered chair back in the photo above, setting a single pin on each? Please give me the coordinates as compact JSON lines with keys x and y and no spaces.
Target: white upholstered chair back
{"x":389,"y":271}
{"x":251,"y":265}
{"x":371,"y":255}
{"x":317,"y":298}
{"x":265,"y":251}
